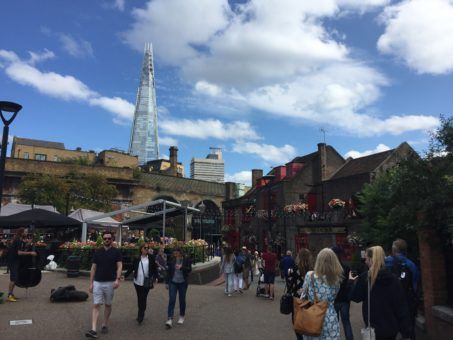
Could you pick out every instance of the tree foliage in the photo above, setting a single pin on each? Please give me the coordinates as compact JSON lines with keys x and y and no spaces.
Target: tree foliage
{"x":417,"y":193}
{"x":73,"y":191}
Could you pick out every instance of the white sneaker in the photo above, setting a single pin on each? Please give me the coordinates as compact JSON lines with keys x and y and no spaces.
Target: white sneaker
{"x":169,"y":324}
{"x":180,"y":320}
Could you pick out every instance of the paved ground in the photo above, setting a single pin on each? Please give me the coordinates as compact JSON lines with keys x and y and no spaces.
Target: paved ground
{"x":210,"y":314}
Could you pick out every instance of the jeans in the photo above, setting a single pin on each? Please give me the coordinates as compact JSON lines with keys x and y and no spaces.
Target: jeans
{"x":238,"y":281}
{"x":173,"y":289}
{"x":229,"y":286}
{"x":142,"y":296}
{"x":342,"y":308}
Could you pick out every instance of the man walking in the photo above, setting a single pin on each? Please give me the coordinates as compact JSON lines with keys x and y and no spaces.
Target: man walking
{"x":104,"y":279}
{"x":16,"y":249}
{"x":407,"y":273}
{"x":286,"y":263}
{"x":270,"y":260}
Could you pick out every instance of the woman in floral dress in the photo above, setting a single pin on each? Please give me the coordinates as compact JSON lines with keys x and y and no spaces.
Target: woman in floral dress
{"x":327,"y":278}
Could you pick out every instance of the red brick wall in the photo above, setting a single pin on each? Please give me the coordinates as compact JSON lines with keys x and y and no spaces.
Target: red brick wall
{"x":433,"y":274}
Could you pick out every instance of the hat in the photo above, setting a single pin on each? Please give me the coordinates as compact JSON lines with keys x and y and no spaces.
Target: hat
{"x":244,"y":247}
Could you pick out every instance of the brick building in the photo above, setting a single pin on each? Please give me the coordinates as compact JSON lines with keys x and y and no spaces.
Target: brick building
{"x":296,"y":196}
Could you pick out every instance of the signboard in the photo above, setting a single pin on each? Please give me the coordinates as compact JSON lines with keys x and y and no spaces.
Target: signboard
{"x":20,"y":322}
{"x":323,"y":230}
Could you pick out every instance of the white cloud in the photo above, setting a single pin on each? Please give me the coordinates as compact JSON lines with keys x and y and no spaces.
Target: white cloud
{"x":193,"y":22}
{"x":357,"y":154}
{"x":363,"y":5}
{"x":210,"y":128}
{"x":119,"y":4}
{"x":269,"y":153}
{"x":38,"y":57}
{"x":206,"y":88}
{"x":275,"y":56}
{"x":419,"y":33}
{"x":63,"y":87}
{"x":168,"y":141}
{"x":121,"y":107}
{"x":78,"y":48}
{"x":243,"y":177}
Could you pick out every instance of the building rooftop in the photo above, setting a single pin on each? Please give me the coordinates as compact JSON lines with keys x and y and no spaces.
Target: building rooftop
{"x":362,"y":165}
{"x":38,"y":143}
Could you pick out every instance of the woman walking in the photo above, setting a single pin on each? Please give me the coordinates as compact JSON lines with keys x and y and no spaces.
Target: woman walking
{"x":325,"y":279}
{"x":179,"y":267}
{"x":227,"y":269}
{"x":389,"y":313}
{"x":296,"y":276}
{"x":145,"y":272}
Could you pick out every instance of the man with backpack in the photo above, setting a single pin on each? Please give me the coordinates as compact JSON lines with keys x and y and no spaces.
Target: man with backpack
{"x":407,"y":273}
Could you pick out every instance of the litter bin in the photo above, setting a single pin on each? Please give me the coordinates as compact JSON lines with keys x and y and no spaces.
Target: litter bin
{"x":73,"y":266}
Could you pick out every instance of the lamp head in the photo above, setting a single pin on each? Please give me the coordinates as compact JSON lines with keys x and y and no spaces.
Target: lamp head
{"x":202,"y":207}
{"x":11,"y":107}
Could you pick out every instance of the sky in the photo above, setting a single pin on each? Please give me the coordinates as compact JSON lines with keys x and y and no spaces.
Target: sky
{"x":265,"y":80}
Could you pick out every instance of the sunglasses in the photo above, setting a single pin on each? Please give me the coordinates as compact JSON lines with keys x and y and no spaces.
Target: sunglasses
{"x":107,"y":238}
{"x":145,"y":248}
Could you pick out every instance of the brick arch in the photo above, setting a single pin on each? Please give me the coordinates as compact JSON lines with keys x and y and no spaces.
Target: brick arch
{"x":166,"y":197}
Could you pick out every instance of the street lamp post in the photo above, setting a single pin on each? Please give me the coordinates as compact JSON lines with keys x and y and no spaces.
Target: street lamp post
{"x":269,"y":210}
{"x":14,"y":109}
{"x":202,"y":209}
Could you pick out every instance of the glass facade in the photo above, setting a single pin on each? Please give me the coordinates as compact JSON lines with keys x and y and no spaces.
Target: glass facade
{"x":144,"y":138}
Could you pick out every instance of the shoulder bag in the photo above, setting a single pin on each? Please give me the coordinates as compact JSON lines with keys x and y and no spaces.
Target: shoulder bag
{"x":368,"y":333}
{"x":147,"y":281}
{"x":286,"y":303}
{"x":309,"y":316}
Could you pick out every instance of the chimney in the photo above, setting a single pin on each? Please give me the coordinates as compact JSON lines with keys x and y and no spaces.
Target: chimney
{"x":173,"y":161}
{"x":230,"y":189}
{"x":256,"y":173}
{"x":322,"y":153}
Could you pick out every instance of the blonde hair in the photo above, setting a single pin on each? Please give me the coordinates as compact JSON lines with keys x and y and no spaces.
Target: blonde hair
{"x":327,"y":267}
{"x":304,"y":261}
{"x":377,"y":257}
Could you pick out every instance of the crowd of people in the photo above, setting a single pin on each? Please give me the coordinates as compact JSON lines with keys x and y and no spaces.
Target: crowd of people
{"x":147,"y":268}
{"x":387,"y":286}
{"x":387,"y":289}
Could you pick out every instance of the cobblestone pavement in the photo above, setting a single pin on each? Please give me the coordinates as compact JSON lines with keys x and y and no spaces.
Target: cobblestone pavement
{"x":209,"y":315}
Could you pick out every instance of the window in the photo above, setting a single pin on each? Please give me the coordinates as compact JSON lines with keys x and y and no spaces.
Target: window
{"x":40,"y":157}
{"x":26,"y":155}
{"x":56,"y":159}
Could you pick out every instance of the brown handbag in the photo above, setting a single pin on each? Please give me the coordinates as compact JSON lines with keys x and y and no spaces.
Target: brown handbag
{"x":309,"y":316}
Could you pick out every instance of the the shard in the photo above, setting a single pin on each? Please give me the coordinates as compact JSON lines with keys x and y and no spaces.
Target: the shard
{"x":144,"y":141}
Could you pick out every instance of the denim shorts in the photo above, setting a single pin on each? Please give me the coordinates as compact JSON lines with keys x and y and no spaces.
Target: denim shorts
{"x":103,"y":292}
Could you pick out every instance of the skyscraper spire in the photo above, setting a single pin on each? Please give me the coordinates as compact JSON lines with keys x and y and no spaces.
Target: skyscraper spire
{"x":144,"y":141}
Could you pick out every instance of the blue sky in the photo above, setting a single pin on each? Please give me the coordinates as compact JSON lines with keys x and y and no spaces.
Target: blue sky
{"x":257,"y":78}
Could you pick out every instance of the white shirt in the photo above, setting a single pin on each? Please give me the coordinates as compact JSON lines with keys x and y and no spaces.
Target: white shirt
{"x":143,"y":266}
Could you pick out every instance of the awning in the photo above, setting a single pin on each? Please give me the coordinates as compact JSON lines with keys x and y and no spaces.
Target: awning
{"x":38,"y":218}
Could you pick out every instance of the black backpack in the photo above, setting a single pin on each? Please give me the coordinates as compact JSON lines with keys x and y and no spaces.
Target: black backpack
{"x":405,"y":277}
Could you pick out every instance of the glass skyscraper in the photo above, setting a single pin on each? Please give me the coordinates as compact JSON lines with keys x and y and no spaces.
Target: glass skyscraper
{"x":144,"y":141}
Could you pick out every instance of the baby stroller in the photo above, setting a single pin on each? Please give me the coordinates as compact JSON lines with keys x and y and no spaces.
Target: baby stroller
{"x":260,"y":290}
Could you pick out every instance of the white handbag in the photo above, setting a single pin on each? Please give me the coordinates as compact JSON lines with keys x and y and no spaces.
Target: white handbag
{"x":368,"y":333}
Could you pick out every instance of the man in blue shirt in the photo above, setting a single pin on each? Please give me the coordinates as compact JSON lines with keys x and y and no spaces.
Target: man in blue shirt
{"x":286,"y":263}
{"x":399,"y":251}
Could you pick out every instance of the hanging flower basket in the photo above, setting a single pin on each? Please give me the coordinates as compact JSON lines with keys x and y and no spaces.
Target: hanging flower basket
{"x":336,"y":203}
{"x":295,"y":208}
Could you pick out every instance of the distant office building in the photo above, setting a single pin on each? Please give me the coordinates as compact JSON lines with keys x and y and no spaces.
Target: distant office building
{"x":144,"y":138}
{"x":211,"y":168}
